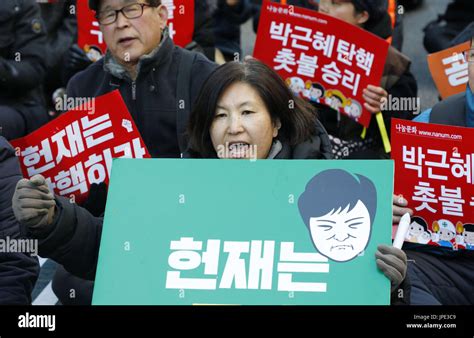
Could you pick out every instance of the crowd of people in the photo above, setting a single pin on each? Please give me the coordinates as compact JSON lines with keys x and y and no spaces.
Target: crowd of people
{"x":238,"y":108}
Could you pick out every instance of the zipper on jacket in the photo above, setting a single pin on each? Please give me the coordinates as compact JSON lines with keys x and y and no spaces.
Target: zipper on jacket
{"x":134,"y":90}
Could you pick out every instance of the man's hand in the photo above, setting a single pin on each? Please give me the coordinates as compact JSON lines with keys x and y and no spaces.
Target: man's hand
{"x":399,"y":208}
{"x":374,"y":97}
{"x":393,"y":263}
{"x":33,"y":204}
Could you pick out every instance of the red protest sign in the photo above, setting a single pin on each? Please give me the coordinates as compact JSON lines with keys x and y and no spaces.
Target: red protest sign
{"x":76,"y":149}
{"x":321,"y":58}
{"x":180,"y":20}
{"x":89,"y":38}
{"x":434,"y":172}
{"x":180,"y":25}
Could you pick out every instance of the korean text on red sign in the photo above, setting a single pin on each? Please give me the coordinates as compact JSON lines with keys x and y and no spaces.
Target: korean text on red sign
{"x":322,"y":59}
{"x":76,"y":149}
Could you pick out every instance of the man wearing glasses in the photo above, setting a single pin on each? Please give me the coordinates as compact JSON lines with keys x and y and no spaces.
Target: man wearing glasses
{"x":144,"y":64}
{"x":159,"y":83}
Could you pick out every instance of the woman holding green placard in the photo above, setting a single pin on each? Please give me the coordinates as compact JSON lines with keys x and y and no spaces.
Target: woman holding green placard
{"x":246,"y":111}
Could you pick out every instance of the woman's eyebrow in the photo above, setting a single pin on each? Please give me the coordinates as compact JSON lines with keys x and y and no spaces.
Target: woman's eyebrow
{"x":326,"y":220}
{"x":221,"y":107}
{"x":352,"y":219}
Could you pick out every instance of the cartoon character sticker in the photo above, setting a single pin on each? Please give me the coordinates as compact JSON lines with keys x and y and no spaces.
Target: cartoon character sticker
{"x":468,"y":236}
{"x":335,"y":99}
{"x":93,"y":53}
{"x":353,"y":109}
{"x":315,"y":91}
{"x":418,"y":231}
{"x":296,"y":85}
{"x":340,"y":225}
{"x":445,"y":233}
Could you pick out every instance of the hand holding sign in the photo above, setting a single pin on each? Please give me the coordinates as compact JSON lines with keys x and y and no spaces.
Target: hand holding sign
{"x":374,"y":97}
{"x":33,"y":204}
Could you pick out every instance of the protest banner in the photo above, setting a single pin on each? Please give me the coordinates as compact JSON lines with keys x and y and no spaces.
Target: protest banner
{"x":449,"y":70}
{"x":242,"y":232}
{"x":322,"y":59}
{"x":76,"y":149}
{"x":89,"y":36}
{"x":434,"y":173}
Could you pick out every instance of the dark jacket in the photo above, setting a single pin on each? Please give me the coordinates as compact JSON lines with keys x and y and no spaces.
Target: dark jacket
{"x":203,"y":30}
{"x":227,"y":25}
{"x":152,"y":98}
{"x":18,"y":271}
{"x":397,"y":80}
{"x":61,"y":28}
{"x":456,"y":106}
{"x":22,"y":37}
{"x":317,"y":148}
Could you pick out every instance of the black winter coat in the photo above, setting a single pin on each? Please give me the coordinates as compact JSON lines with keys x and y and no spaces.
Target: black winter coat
{"x":18,"y":271}
{"x":23,"y":60}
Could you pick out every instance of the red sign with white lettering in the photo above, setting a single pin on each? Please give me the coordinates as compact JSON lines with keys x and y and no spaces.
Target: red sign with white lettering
{"x":434,"y":172}
{"x":76,"y":149}
{"x":322,"y":59}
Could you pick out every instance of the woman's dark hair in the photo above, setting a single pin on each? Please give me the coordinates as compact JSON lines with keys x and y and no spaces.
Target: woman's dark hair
{"x":297,"y":117}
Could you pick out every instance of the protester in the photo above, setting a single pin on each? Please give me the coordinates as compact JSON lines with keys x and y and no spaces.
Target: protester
{"x":240,"y":108}
{"x":397,"y":82}
{"x":158,"y":81}
{"x":23,"y":62}
{"x":18,"y":270}
{"x":203,"y":42}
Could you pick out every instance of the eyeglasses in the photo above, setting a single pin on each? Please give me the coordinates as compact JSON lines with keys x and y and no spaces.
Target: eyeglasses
{"x":132,"y":11}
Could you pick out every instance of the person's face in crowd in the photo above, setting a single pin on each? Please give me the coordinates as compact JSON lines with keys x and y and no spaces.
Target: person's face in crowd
{"x":242,"y":126}
{"x":343,"y":10}
{"x":341,"y":235}
{"x":129,"y":39}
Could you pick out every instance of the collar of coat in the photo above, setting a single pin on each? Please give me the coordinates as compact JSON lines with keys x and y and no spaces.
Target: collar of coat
{"x":156,"y":56}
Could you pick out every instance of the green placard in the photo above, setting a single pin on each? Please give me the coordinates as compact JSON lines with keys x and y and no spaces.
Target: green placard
{"x":183,"y":232}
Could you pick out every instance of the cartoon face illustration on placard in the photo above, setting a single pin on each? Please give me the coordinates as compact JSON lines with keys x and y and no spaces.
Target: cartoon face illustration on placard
{"x":93,"y":53}
{"x":316,"y":91}
{"x":468,"y":233}
{"x":353,"y":109}
{"x":296,"y":85}
{"x":339,"y":209}
{"x":417,"y":228}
